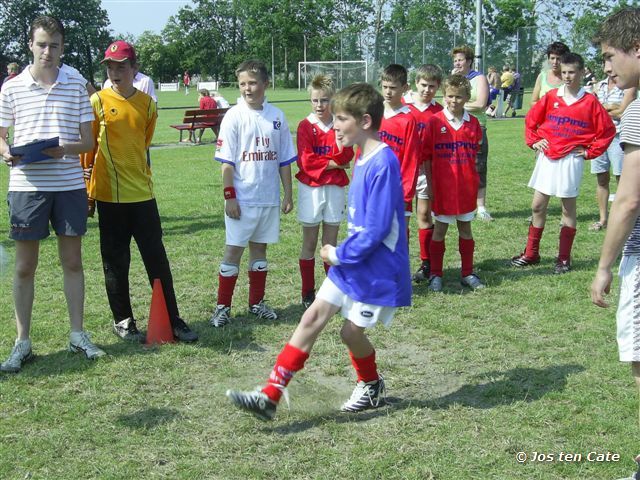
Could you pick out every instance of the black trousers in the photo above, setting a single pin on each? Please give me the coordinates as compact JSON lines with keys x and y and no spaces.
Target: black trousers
{"x":118,"y":223}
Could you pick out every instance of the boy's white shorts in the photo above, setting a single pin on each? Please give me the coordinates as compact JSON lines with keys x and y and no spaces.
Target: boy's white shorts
{"x":422,"y":186}
{"x":361,"y":314}
{"x":256,"y":224}
{"x":320,"y":204}
{"x":449,"y":219}
{"x":558,"y":178}
{"x":628,"y":315}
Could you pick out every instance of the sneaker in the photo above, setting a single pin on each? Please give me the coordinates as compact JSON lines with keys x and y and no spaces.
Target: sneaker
{"x":255,"y":402}
{"x":523,"y":261}
{"x":472,"y":281}
{"x":423,"y":272}
{"x":80,"y":342}
{"x":221,"y":316}
{"x":484,"y":216}
{"x":20,"y":353}
{"x":308,"y":299}
{"x":127,"y":330}
{"x":262,"y":310}
{"x":435,"y":283}
{"x":182,"y":331}
{"x":366,"y":395}
{"x":561,"y":266}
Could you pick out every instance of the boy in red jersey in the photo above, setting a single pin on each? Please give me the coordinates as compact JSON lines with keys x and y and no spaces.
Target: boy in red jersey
{"x":423,"y":107}
{"x":322,"y":161}
{"x":566,"y":126}
{"x":453,"y":137}
{"x":399,"y":130}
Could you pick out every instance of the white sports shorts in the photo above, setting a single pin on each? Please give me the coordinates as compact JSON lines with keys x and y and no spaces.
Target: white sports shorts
{"x":558,"y":178}
{"x":361,"y":314}
{"x":320,"y":204}
{"x":422,"y":187}
{"x":465,"y":217}
{"x":256,"y":224}
{"x":628,"y":314}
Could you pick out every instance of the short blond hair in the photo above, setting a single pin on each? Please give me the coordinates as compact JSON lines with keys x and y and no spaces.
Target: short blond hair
{"x":465,"y":50}
{"x":323,"y":83}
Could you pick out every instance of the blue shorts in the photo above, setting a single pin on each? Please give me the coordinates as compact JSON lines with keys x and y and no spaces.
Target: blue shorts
{"x":611,"y":159}
{"x":31,"y":212}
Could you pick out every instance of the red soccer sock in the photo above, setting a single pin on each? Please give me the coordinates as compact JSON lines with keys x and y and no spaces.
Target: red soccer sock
{"x":436,"y":251}
{"x":226,"y":285}
{"x":257,"y":282}
{"x":366,"y":368}
{"x":567,"y":234}
{"x":466,"y":248}
{"x":533,"y":242}
{"x":290,"y":360}
{"x":424,"y":239}
{"x":307,"y":273}
{"x":326,"y":266}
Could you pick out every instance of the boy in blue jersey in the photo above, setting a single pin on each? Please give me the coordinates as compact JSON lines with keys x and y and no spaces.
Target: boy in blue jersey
{"x":376,"y":242}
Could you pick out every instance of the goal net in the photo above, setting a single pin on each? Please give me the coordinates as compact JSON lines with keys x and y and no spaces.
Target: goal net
{"x":343,"y":73}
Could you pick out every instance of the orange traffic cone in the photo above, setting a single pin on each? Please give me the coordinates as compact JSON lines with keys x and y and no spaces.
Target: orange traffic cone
{"x":159,"y":329}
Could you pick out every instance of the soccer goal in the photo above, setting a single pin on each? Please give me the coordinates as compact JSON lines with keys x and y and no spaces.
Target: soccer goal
{"x":343,"y":72}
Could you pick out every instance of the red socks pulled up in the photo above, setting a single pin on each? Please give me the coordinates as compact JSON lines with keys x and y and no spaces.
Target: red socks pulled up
{"x":290,"y":360}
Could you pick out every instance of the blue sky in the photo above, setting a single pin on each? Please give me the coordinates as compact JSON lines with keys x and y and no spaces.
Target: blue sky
{"x":136,"y":16}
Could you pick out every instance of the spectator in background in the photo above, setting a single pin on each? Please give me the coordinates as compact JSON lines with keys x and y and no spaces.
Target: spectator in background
{"x":589,"y":80}
{"x":506,"y":81}
{"x":205,"y":103}
{"x":12,"y":71}
{"x":220,"y":100}
{"x":494,"y":83}
{"x":186,"y":79}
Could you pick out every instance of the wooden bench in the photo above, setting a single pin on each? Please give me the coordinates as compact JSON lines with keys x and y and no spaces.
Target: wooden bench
{"x":201,"y":119}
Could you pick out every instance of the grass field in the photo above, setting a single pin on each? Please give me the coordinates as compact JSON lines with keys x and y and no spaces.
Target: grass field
{"x":526,"y":365}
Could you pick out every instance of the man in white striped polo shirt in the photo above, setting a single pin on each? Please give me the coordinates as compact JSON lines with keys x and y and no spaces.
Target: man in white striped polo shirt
{"x":619,"y":39}
{"x":44,"y":102}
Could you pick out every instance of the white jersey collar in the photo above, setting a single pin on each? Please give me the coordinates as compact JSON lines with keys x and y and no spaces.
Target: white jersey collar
{"x":314,"y":120}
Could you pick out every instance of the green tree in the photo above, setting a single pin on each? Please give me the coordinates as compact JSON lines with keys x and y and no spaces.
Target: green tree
{"x":86,"y":30}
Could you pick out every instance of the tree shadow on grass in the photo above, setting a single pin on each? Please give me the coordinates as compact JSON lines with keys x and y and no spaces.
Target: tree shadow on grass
{"x":239,"y":333}
{"x":498,"y":270}
{"x":502,"y":388}
{"x":148,"y":419}
{"x":191,"y":224}
{"x":554,"y":213}
{"x":63,"y":362}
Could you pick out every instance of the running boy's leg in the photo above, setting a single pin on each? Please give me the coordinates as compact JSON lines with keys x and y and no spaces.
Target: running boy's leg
{"x":291,"y":359}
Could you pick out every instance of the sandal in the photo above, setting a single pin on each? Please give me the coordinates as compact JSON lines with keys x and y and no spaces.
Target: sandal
{"x":597,"y":226}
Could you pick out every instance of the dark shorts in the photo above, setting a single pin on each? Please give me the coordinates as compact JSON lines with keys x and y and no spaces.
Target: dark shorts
{"x":481,"y":159}
{"x":31,"y":212}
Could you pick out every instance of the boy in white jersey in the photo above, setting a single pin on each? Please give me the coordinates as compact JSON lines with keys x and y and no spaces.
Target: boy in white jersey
{"x":376,"y":243}
{"x":322,"y":162}
{"x":619,"y":39}
{"x":256,"y":150}
{"x":44,"y":102}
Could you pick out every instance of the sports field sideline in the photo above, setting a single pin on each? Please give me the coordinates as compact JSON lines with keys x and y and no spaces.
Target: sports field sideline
{"x":476,"y":381}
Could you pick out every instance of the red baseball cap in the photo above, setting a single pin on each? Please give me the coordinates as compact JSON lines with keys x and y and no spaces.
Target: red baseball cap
{"x":119,"y":51}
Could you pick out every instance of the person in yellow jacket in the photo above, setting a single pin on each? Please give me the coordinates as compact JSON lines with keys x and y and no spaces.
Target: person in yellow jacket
{"x":120,"y":182}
